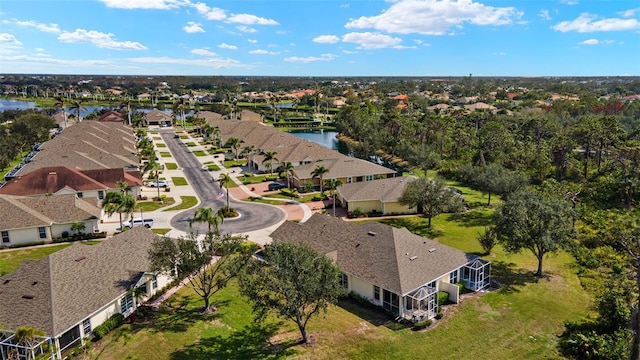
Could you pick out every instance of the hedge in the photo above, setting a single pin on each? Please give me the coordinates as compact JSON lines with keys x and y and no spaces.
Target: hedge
{"x":422,"y":324}
{"x":111,"y":323}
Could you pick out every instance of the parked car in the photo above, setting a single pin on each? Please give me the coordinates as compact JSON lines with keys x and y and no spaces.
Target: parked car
{"x":137,"y":222}
{"x":277,"y":186}
{"x":160,"y":183}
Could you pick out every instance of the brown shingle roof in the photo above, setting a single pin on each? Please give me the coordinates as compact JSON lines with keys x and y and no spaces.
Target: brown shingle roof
{"x":342,"y":167}
{"x":31,"y":211}
{"x":375,"y":252}
{"x":385,"y":190}
{"x":69,"y":285}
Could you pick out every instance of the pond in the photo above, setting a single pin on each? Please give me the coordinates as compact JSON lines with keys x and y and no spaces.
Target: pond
{"x":11,"y":104}
{"x":326,"y":138}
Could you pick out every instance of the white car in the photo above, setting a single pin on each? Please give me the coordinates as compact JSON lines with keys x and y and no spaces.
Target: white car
{"x":137,"y":222}
{"x":160,"y":183}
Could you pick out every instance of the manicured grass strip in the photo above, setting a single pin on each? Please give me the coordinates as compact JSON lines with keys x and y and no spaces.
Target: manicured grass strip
{"x":179,"y":181}
{"x":11,"y":259}
{"x":160,"y":231}
{"x":157,"y":138}
{"x":234,"y":163}
{"x":257,"y":179}
{"x":155,"y":205}
{"x":199,"y":153}
{"x":191,"y":143}
{"x":161,"y":145}
{"x":165,"y":154}
{"x":184,"y":137}
{"x":187,"y":202}
{"x":171,"y":166}
{"x":153,"y":133}
{"x":265,"y":201}
{"x":213,"y":167}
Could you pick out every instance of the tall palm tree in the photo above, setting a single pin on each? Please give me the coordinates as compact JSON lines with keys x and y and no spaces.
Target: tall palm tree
{"x":126,"y":104}
{"x":234,"y":144}
{"x":117,"y":202}
{"x":61,"y":102}
{"x":248,"y":151}
{"x":153,"y":168}
{"x":213,"y":220}
{"x":269,"y":158}
{"x":333,"y":184}
{"x":225,"y":180}
{"x":287,"y":168}
{"x":77,"y":106}
{"x":319,"y":172}
{"x":178,"y":108}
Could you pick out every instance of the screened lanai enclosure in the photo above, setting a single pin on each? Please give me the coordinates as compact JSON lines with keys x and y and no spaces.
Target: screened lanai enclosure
{"x":476,"y":274}
{"x":25,"y":349}
{"x":421,"y":304}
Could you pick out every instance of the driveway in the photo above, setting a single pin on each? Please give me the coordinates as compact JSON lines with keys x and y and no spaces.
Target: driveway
{"x":252,"y":217}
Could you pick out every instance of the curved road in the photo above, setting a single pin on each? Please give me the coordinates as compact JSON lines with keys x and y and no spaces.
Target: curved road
{"x":252,"y":216}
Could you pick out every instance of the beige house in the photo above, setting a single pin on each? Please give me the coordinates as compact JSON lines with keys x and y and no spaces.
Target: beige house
{"x":29,"y":219}
{"x":157,"y":117}
{"x":70,"y":292}
{"x":391,"y":267}
{"x":379,"y":196}
{"x":345,"y":168}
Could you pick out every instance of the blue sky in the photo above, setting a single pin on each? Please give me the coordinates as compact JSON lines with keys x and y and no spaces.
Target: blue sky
{"x":321,"y":37}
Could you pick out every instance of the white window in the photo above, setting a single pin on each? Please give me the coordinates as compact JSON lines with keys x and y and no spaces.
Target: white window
{"x":127,"y":304}
{"x":5,"y":236}
{"x":42,"y":232}
{"x":344,"y":280}
{"x":349,"y":180}
{"x":101,"y":195}
{"x":453,"y":277}
{"x":154,"y":283}
{"x":86,"y":327}
{"x":368,"y":178}
{"x":376,"y":292}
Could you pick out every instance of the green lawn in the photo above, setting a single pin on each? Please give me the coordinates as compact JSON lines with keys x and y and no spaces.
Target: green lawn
{"x":179,"y":181}
{"x":171,"y":166}
{"x":521,"y":320}
{"x":161,"y":145}
{"x":257,"y":179}
{"x":187,"y":202}
{"x":234,"y":163}
{"x":165,"y":154}
{"x":160,"y":231}
{"x":157,"y":138}
{"x":213,"y":167}
{"x":199,"y":153}
{"x":191,"y":143}
{"x":154,"y":205}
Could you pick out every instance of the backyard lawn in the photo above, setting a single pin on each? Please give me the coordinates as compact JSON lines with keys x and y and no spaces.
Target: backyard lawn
{"x":521,"y":320}
{"x":11,"y":259}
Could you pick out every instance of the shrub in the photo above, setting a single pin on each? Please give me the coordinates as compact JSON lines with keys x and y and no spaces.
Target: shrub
{"x":227,"y":212}
{"x":488,"y":239}
{"x":422,"y":324}
{"x":27,"y":244}
{"x":443,"y":297}
{"x":439,"y":315}
{"x":461,"y":285}
{"x":111,"y":323}
{"x":289,"y":193}
{"x":358,"y":212}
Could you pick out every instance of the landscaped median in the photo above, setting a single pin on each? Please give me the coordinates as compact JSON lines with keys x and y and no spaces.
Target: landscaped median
{"x":187,"y":202}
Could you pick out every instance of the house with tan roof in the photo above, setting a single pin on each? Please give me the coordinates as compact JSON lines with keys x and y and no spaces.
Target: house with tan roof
{"x":248,"y":115}
{"x":66,"y":180}
{"x":345,"y":168}
{"x":111,"y":116}
{"x":69,"y":293}
{"x":28,"y":219}
{"x":157,"y":117}
{"x":391,"y":267}
{"x":380,"y":195}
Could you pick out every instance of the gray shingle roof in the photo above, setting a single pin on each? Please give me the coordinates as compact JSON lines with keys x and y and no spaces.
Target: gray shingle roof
{"x":31,"y":211}
{"x":341,"y":167}
{"x":69,"y":285}
{"x":374,"y":252}
{"x":384,"y":190}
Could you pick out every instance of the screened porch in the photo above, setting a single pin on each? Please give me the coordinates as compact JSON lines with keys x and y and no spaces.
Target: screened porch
{"x":421,"y":304}
{"x":476,"y":274}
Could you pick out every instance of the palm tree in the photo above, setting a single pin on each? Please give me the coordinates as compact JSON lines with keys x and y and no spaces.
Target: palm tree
{"x":178,"y":107}
{"x":153,"y":168}
{"x":287,"y":168}
{"x":126,"y":104}
{"x":248,"y":151}
{"x":333,"y":184}
{"x":61,"y":102}
{"x":269,"y":158}
{"x":319,"y":172}
{"x":117,"y":202}
{"x":78,"y":227}
{"x":225,"y":180}
{"x":234,"y":144}
{"x":27,"y":337}
{"x":77,"y":106}
{"x":213,"y":220}
{"x":123,"y":186}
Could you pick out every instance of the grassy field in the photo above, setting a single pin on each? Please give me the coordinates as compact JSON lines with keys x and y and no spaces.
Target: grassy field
{"x":234,"y":163}
{"x":171,"y":166}
{"x":11,"y":259}
{"x":199,"y":153}
{"x":187,"y":202}
{"x":521,"y":320}
{"x":179,"y":181}
{"x":154,"y":205}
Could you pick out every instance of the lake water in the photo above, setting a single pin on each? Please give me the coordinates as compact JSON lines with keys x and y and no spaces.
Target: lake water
{"x":10,"y":104}
{"x":325,"y":138}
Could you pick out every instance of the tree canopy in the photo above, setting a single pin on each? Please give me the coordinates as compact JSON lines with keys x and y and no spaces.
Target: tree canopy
{"x":431,"y":196}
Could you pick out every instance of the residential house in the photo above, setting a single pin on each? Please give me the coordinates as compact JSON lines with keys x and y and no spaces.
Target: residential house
{"x":66,"y":180}
{"x":111,"y":116}
{"x":248,"y":115}
{"x":379,"y":196}
{"x":70,"y":292}
{"x":346,"y":169}
{"x":27,"y":219}
{"x":391,"y":267}
{"x":157,"y":117}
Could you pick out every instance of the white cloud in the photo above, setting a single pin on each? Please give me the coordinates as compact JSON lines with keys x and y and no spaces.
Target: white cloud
{"x":32,"y":60}
{"x":569,"y":2}
{"x":435,"y":17}
{"x":326,"y":39}
{"x":50,"y":28}
{"x":216,"y":63}
{"x":253,"y":41}
{"x":544,"y":14}
{"x":368,"y":40}
{"x":203,"y":52}
{"x":349,"y":52}
{"x":210,"y":13}
{"x":227,"y":46}
{"x":143,"y":4}
{"x":246,"y":29}
{"x":629,"y":13}
{"x":99,"y":39}
{"x":310,"y":59}
{"x":597,"y":42}
{"x":263,"y":52}
{"x":9,"y":44}
{"x":193,"y":27}
{"x":248,"y":19}
{"x":588,"y":23}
